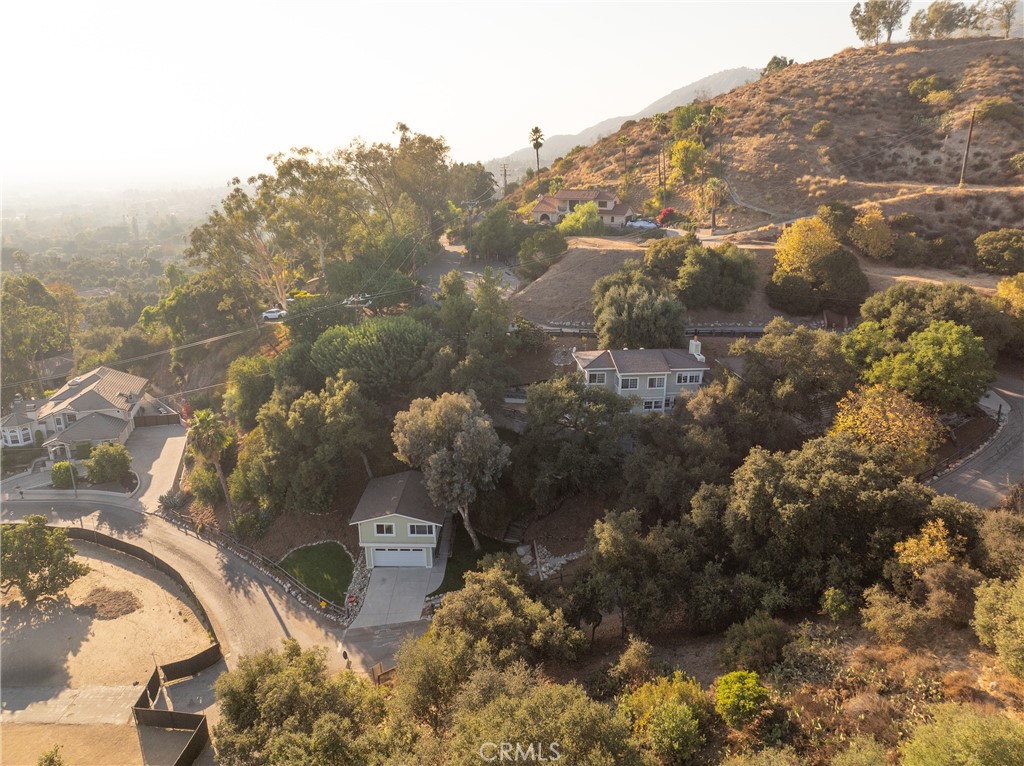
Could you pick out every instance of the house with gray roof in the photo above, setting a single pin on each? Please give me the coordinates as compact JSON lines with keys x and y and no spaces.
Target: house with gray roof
{"x":399,"y":525}
{"x":654,"y":378}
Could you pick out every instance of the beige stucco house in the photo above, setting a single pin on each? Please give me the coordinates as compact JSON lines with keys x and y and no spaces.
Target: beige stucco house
{"x":98,"y":407}
{"x":552,"y":208}
{"x":399,"y":525}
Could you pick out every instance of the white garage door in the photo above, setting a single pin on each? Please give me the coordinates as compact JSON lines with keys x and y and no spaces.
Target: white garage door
{"x":399,"y":557}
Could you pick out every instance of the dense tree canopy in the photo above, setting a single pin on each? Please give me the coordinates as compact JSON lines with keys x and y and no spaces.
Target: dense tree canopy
{"x":944,"y":366}
{"x":40,"y":561}
{"x":454,"y":443}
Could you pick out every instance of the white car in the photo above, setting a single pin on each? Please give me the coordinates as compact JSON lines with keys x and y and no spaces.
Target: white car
{"x":274,"y":314}
{"x":641,"y":224}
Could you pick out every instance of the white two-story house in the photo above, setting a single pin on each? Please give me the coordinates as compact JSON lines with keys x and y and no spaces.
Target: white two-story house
{"x":399,"y":525}
{"x":552,"y":208}
{"x":655,"y":378}
{"x":98,"y":407}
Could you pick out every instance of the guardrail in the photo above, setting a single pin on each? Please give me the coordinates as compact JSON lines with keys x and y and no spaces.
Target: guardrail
{"x":304,"y":595}
{"x":960,"y":454}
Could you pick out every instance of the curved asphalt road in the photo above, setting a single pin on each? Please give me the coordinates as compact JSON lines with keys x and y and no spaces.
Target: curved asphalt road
{"x":984,"y":478}
{"x":250,"y":612}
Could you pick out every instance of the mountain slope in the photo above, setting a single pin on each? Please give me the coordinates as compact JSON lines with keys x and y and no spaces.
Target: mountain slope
{"x":879,"y":142}
{"x":558,"y":145}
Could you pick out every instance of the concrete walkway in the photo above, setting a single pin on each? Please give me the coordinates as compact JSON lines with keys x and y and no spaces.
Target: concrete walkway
{"x":88,"y":705}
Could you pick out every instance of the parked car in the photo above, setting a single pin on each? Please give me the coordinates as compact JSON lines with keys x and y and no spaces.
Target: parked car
{"x":641,"y":223}
{"x":272,"y":315}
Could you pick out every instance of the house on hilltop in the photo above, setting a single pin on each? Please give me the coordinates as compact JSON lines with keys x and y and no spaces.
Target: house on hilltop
{"x":98,"y":407}
{"x":552,"y":208}
{"x":654,"y":377}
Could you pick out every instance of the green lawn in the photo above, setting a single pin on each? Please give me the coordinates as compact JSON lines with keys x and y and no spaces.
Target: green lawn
{"x":464,"y":558}
{"x":325,"y":568}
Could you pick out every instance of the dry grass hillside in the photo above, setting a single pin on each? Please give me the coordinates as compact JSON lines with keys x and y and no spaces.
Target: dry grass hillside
{"x":881,"y":143}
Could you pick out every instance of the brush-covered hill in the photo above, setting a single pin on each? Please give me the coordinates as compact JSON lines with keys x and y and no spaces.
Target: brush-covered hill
{"x":560,"y":144}
{"x":849,"y":128}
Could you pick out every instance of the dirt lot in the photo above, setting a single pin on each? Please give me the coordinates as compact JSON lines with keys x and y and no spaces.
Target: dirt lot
{"x":106,"y":630}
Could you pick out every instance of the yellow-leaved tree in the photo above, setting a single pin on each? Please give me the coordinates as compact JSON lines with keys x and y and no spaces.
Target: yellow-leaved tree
{"x":880,"y":415}
{"x":802,"y":244}
{"x":934,"y":545}
{"x":872,"y":234}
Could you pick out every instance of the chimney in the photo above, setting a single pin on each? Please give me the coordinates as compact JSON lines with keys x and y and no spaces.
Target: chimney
{"x":19,"y":406}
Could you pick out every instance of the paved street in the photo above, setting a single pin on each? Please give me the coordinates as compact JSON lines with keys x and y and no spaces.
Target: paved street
{"x":983,"y":479}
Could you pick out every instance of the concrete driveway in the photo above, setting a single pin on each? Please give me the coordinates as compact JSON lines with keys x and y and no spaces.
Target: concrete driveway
{"x":156,"y":452}
{"x":393,"y":595}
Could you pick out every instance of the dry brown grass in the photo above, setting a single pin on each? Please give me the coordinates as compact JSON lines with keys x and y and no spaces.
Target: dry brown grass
{"x":882,"y":135}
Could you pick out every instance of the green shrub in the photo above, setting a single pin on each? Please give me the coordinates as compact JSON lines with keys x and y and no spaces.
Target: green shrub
{"x":951,"y":592}
{"x":740,"y":697}
{"x":892,"y":620}
{"x":109,"y":462}
{"x":667,"y":716}
{"x":252,"y":525}
{"x":585,"y":219}
{"x":792,"y":293}
{"x":634,"y":667}
{"x":821,"y":129}
{"x":998,"y":108}
{"x":999,"y":620}
{"x":1017,"y":162}
{"x":963,"y":736}
{"x":863,"y":751}
{"x":1001,"y":544}
{"x":755,"y":644}
{"x":205,"y":485}
{"x":839,"y":217}
{"x":174,"y":500}
{"x":1000,"y":252}
{"x":920,"y":88}
{"x":835,"y":604}
{"x":61,"y":473}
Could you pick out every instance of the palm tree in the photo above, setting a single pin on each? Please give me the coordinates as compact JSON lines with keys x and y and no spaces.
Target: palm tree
{"x":209,"y":439}
{"x":537,"y":141}
{"x":660,"y":124}
{"x":623,"y":142}
{"x":713,"y":194}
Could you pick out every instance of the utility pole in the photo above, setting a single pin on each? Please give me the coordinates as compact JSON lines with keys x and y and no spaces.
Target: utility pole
{"x":504,"y":179}
{"x":970,"y":132}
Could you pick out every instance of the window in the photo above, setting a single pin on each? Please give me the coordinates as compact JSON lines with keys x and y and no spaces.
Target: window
{"x":423,"y":530}
{"x":26,"y":435}
{"x":687,"y":378}
{"x":58,"y":421}
{"x":613,"y":219}
{"x":14,"y":438}
{"x":670,"y":402}
{"x":653,"y":405}
{"x":72,"y":417}
{"x":385,"y":530}
{"x":656,"y":382}
{"x":629,"y":384}
{"x":595,"y":378}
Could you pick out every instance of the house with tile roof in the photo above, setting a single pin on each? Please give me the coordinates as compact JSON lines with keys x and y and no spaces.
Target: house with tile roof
{"x":98,"y":407}
{"x":552,"y":208}
{"x":655,"y":378}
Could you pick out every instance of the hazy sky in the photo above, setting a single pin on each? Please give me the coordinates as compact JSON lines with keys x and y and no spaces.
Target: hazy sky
{"x":112,"y":94}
